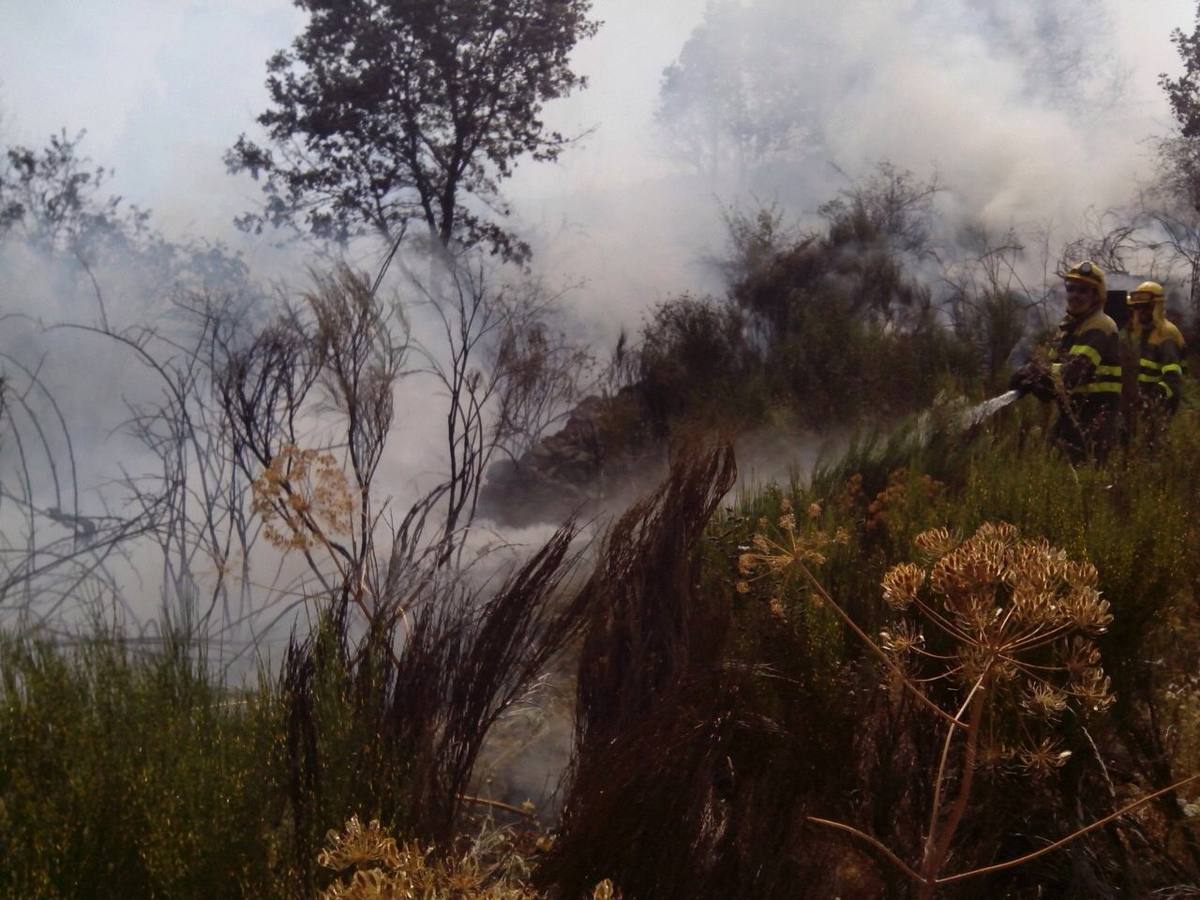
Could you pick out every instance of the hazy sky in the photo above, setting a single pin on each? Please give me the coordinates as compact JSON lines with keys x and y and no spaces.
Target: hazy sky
{"x":163,"y":87}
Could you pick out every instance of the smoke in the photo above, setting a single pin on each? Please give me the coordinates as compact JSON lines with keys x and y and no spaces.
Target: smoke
{"x":1031,"y":115}
{"x":1030,"y":112}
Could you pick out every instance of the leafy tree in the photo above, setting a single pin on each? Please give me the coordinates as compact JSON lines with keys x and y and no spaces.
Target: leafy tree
{"x":737,"y":94}
{"x":1173,"y":202}
{"x":1184,"y":92}
{"x":50,"y":197}
{"x":53,"y":201}
{"x":760,"y":84}
{"x":389,"y":111}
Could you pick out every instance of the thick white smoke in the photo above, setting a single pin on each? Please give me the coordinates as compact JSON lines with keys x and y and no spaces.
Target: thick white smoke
{"x":1030,"y":113}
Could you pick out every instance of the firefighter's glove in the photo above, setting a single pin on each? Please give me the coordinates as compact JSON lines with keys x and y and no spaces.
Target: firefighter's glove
{"x":1032,"y":379}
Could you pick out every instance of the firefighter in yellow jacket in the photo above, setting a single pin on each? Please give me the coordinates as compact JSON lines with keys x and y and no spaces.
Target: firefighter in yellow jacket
{"x":1159,"y":347}
{"x":1084,"y":373}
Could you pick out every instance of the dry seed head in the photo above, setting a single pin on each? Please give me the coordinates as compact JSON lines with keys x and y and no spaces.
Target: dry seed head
{"x":902,"y":639}
{"x":936,"y":542}
{"x":974,"y":662}
{"x":357,"y":844}
{"x":1079,"y":657}
{"x":777,"y":555}
{"x":1081,"y":574}
{"x":981,"y":562}
{"x":969,"y":569}
{"x":300,"y":495}
{"x":1002,"y":532}
{"x":1095,"y":689}
{"x":411,"y":873}
{"x":901,"y":584}
{"x":1017,"y":613}
{"x":1032,"y":565}
{"x":976,"y":612}
{"x":1044,"y":701}
{"x":1044,"y":757}
{"x":981,"y":664}
{"x":1031,"y":603}
{"x":1086,"y":610}
{"x":366,"y":884}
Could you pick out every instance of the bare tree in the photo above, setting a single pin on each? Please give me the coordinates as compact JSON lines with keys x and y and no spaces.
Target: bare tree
{"x":988,"y":300}
{"x":545,"y":373}
{"x":44,"y":571}
{"x":1171,"y":216}
{"x":1111,"y":238}
{"x":204,"y":532}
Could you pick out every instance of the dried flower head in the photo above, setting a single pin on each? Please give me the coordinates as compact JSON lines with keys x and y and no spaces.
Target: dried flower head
{"x":902,"y":639}
{"x":1043,"y":758}
{"x":778,"y":550}
{"x":901,"y":584}
{"x":936,"y":542}
{"x":302,"y":498}
{"x":357,"y":844}
{"x":995,"y":755}
{"x":372,"y":867}
{"x":1009,"y":616}
{"x":1000,"y":532}
{"x":1043,"y":700}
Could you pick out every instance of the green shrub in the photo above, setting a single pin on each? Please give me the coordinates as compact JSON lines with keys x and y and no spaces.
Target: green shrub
{"x":126,"y":772}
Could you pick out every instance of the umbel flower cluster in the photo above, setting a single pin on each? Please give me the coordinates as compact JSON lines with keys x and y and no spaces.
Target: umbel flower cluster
{"x":1003,"y":621}
{"x":1007,"y":616}
{"x":778,"y":551}
{"x":303,"y":498}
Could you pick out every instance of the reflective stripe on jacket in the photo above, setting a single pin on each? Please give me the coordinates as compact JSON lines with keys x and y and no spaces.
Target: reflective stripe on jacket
{"x":1089,"y":357}
{"x":1160,"y":368}
{"x":1087,"y":374}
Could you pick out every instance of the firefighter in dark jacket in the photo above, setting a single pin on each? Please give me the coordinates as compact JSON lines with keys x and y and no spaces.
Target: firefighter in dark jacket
{"x":1084,"y":373}
{"x":1159,"y":348}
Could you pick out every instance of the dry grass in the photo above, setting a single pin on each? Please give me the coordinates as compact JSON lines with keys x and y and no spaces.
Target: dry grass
{"x":394,"y":722}
{"x":370,"y":865}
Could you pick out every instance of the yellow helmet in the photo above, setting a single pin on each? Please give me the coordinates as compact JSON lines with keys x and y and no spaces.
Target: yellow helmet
{"x":1088,"y":273}
{"x":1145,"y":293}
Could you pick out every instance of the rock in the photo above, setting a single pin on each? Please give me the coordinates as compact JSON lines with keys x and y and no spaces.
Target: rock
{"x":603,"y":440}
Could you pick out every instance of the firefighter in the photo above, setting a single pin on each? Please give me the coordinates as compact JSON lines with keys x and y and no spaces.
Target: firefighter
{"x":1159,"y":348}
{"x":1084,"y":373}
